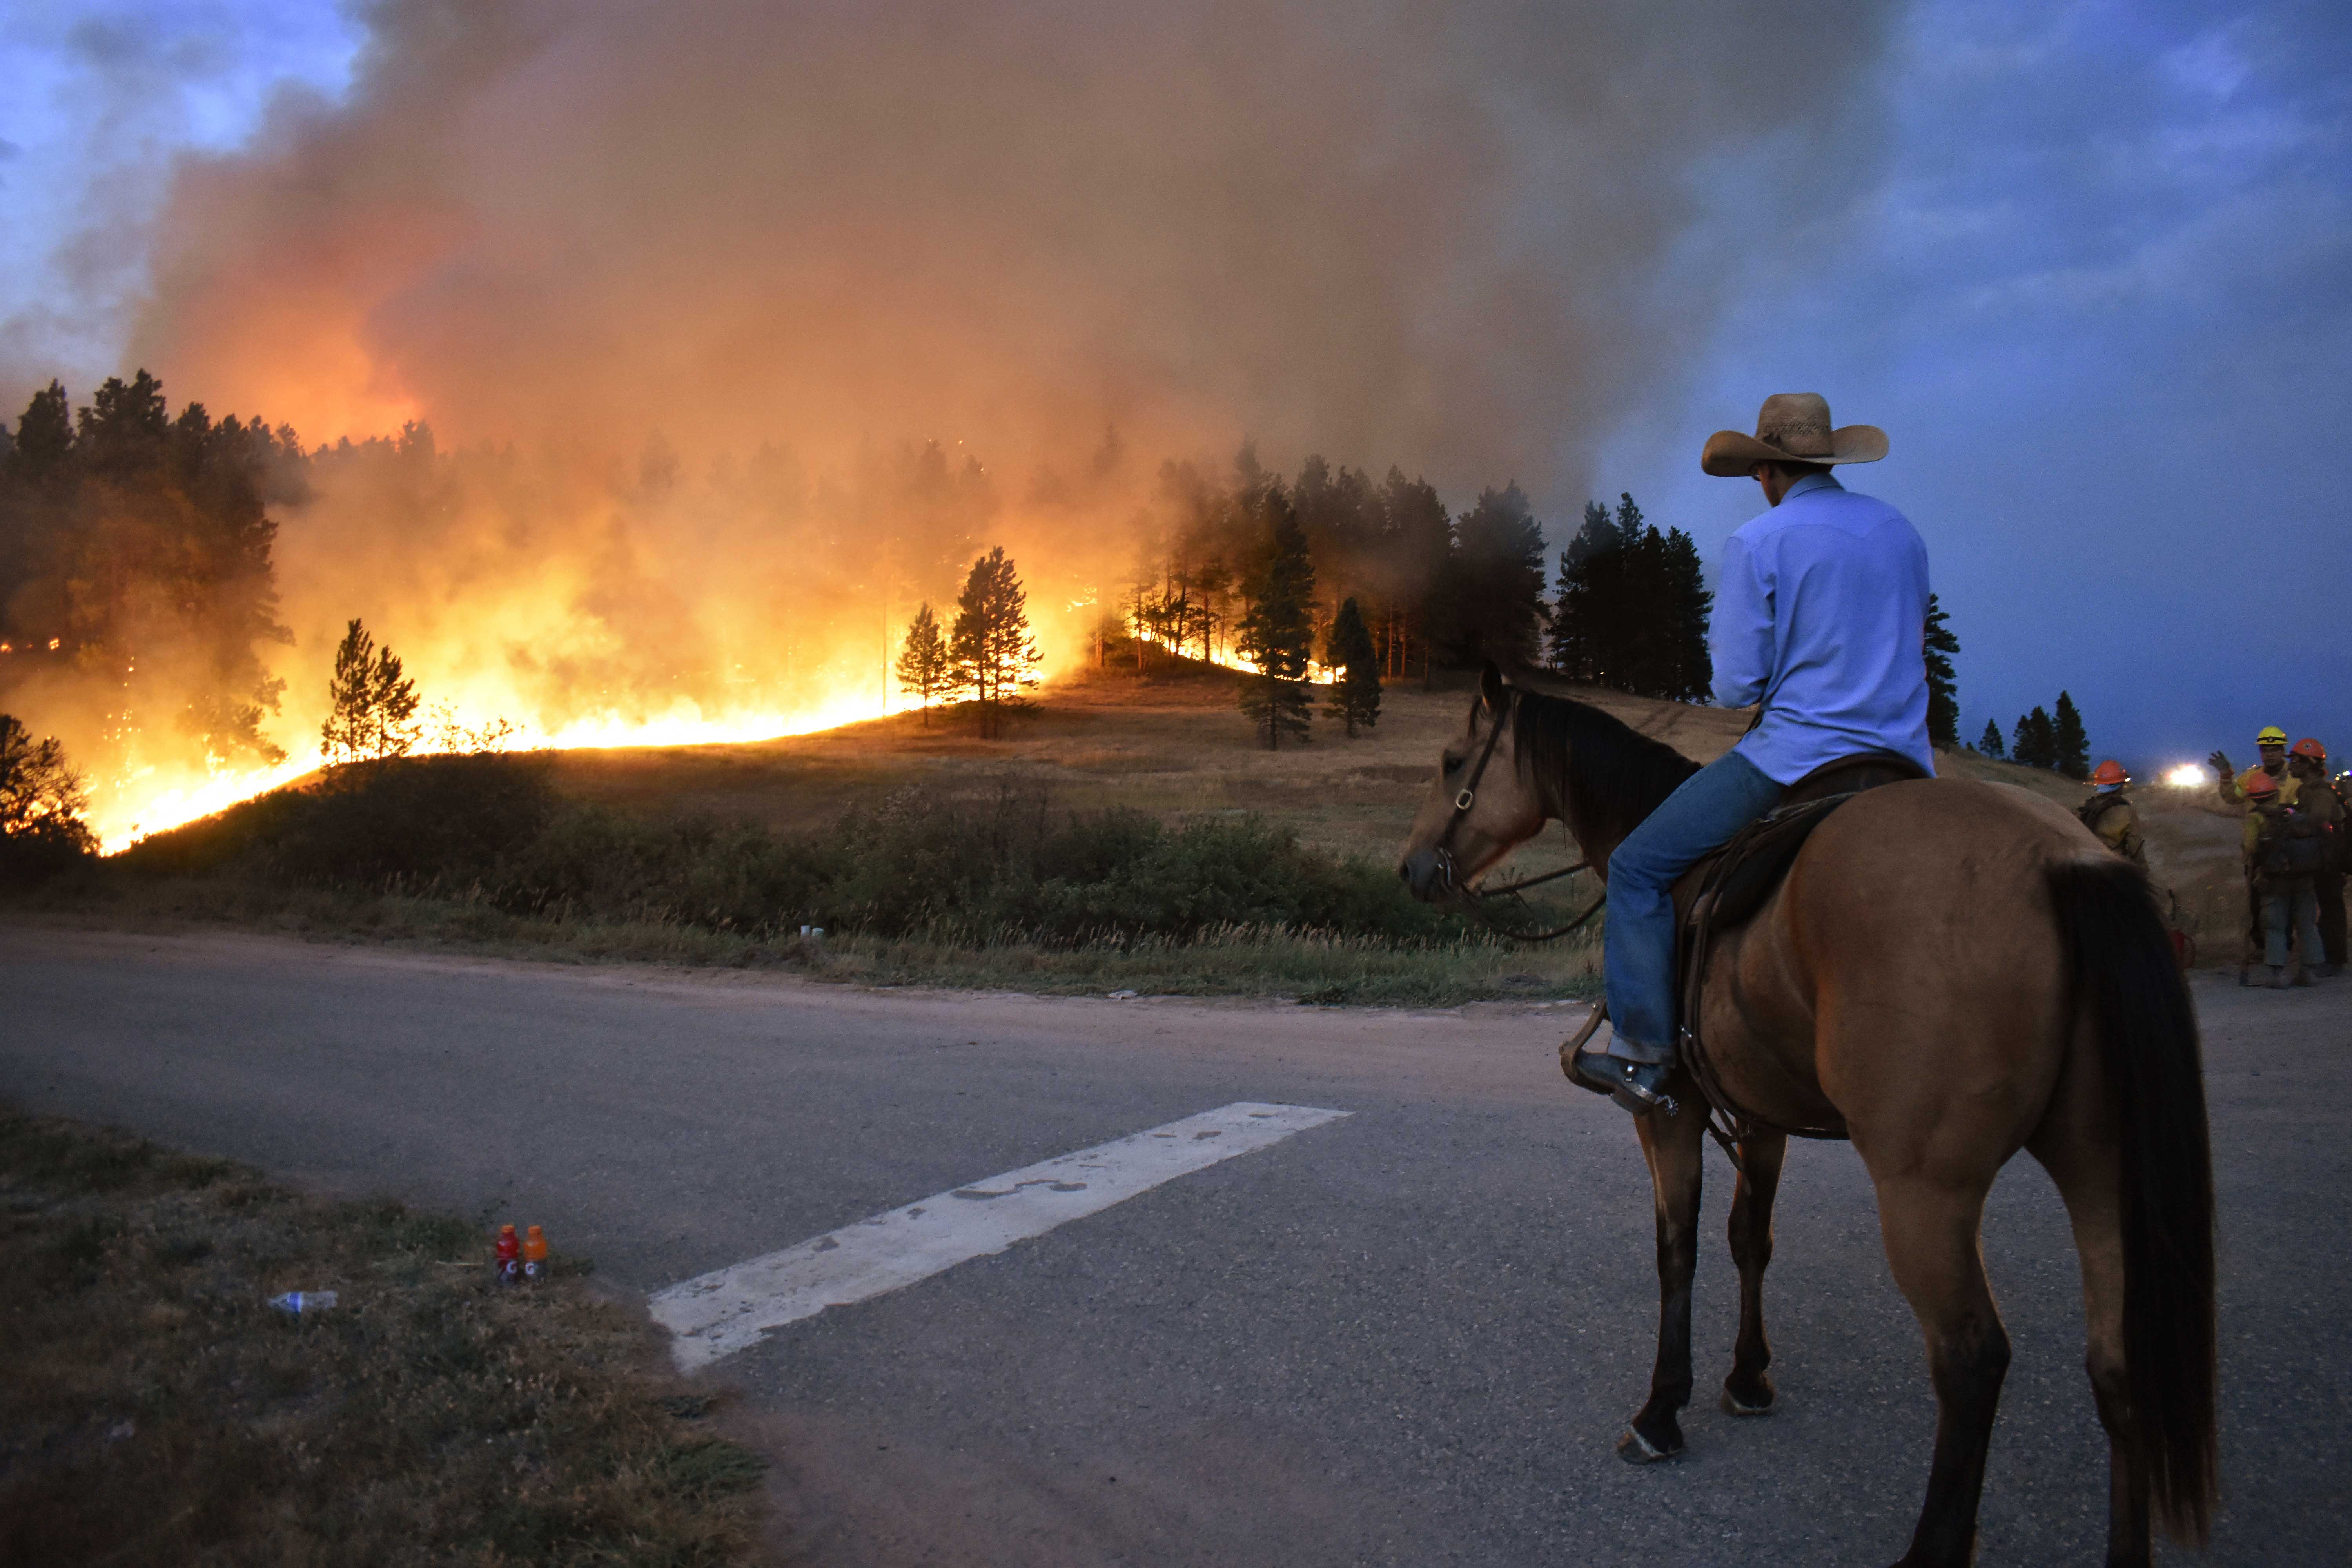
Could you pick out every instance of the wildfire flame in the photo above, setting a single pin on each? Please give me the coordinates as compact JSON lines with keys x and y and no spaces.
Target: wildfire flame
{"x":2187,"y":775}
{"x":155,"y":799}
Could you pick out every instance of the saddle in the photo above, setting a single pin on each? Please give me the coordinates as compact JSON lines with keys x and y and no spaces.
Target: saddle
{"x":1724,"y":890}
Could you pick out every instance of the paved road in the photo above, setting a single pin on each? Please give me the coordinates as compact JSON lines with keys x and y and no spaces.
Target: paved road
{"x":1407,"y":1337}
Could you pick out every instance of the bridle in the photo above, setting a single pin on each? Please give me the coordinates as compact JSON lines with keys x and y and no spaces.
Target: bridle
{"x":1473,"y":903}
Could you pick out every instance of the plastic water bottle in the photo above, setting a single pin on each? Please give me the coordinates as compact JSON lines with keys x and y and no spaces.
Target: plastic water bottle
{"x":509,"y":1256}
{"x":534,"y":1255}
{"x":297,"y":1302}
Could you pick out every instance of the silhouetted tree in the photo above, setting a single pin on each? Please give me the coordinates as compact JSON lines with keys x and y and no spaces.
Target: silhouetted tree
{"x":371,"y":704}
{"x":139,"y":548}
{"x":924,"y":667}
{"x":2070,"y":751}
{"x":1989,"y":744}
{"x":1490,"y":597}
{"x":1355,"y":699}
{"x":2035,"y":742}
{"x":1277,"y":634}
{"x":42,"y":802}
{"x":994,"y":655}
{"x":1943,"y":687}
{"x":1634,"y":608}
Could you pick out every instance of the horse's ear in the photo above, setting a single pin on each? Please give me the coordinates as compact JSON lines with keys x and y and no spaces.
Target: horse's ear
{"x":1490,"y":686}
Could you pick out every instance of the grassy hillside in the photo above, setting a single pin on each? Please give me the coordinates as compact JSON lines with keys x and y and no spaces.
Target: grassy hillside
{"x":704,"y":854}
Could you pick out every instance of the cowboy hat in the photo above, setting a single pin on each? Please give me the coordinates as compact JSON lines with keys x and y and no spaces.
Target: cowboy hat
{"x":1792,"y":428}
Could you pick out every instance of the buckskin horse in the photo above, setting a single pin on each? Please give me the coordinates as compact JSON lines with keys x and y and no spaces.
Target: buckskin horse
{"x":1950,"y":971}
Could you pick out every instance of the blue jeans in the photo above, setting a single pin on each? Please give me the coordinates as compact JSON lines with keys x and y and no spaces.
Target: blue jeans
{"x":1638,"y":952}
{"x":2287,"y":906}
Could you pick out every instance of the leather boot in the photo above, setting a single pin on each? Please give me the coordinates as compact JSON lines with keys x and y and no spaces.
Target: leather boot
{"x":2279,"y":982}
{"x":2303,"y":976}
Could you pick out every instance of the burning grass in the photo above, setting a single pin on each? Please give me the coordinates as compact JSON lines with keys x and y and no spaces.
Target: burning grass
{"x":155,"y":1409}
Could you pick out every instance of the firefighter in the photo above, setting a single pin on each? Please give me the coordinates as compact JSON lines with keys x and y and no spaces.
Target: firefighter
{"x":2283,"y":846}
{"x":2307,"y":762}
{"x":2270,"y":742}
{"x":2109,"y":813}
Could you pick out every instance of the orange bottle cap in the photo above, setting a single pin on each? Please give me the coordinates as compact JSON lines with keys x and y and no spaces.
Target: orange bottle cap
{"x":505,"y":1230}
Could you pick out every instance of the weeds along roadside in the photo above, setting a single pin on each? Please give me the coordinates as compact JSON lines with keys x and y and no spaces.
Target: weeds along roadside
{"x":155,"y":1408}
{"x":986,"y":886}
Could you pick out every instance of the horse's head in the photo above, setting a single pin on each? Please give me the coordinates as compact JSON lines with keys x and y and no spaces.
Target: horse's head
{"x":1483,"y":805}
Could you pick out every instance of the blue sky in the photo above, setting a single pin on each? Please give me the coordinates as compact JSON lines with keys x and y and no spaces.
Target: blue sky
{"x":2096,"y":284}
{"x":2090,"y":264}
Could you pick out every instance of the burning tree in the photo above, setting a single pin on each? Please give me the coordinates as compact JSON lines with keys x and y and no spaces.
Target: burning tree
{"x":137,"y":547}
{"x":924,"y":667}
{"x":1355,"y":698}
{"x":41,"y":804}
{"x":994,"y":653}
{"x":370,"y":705}
{"x":1277,"y":633}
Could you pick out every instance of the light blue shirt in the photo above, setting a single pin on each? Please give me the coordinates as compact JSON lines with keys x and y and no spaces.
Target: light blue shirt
{"x":1820,"y":612}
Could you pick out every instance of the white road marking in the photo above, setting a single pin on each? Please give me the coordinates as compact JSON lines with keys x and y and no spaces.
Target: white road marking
{"x":732,"y":1308}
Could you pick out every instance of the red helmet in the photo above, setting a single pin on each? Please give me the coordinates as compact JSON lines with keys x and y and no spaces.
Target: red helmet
{"x":2307,"y":747}
{"x":2260,"y":784}
{"x":2110,"y":771}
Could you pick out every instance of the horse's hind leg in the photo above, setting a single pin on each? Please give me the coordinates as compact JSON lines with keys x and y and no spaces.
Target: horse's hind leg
{"x":1932,"y":1233}
{"x":1673,"y":1146}
{"x":1749,"y":1390}
{"x":2081,"y":1160}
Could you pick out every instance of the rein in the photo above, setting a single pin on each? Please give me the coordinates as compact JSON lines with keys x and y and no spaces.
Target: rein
{"x":1473,"y":903}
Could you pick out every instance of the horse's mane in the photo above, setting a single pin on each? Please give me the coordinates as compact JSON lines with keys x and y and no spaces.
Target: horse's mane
{"x":1621,"y":775}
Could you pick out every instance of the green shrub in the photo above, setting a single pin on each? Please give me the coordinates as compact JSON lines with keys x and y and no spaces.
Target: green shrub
{"x":413,"y":820}
{"x":933,"y":865}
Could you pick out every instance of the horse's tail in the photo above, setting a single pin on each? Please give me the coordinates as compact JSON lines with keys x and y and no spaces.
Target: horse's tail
{"x":2129,"y":985}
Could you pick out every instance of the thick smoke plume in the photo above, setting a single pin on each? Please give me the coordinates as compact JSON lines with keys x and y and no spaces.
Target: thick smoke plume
{"x":735,"y":321}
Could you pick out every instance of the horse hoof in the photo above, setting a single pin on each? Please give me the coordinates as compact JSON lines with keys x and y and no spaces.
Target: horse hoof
{"x":1636,"y":1449}
{"x":1734,"y":1405}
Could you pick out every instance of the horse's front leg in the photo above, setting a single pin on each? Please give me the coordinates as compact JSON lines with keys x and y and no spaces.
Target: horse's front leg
{"x":1673,"y":1146}
{"x":1749,"y":1390}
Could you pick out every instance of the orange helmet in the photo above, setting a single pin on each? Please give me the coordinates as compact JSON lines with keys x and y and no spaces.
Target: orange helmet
{"x":2307,"y":747}
{"x":2110,"y":771}
{"x":2259,"y":784}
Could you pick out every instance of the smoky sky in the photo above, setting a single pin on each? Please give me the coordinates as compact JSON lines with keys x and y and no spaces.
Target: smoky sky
{"x":2090,"y":264}
{"x":1394,"y":232}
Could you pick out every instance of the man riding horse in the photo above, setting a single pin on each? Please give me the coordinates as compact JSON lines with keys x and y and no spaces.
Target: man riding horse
{"x":1820,"y":611}
{"x":1946,"y":971}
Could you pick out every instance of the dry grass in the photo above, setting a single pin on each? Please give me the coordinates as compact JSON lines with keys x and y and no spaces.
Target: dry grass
{"x":153,"y":1409}
{"x":1173,"y":746}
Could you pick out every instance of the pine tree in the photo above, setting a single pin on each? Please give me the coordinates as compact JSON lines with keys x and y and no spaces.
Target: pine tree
{"x":1991,"y":742}
{"x":1686,"y":672}
{"x":1277,"y":632}
{"x":994,"y":653}
{"x":1355,"y":699}
{"x":2070,"y":749}
{"x":1490,"y":596}
{"x":1634,"y":608}
{"x":924,"y":667}
{"x":2035,"y":742}
{"x":370,"y":705}
{"x":1943,"y":687}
